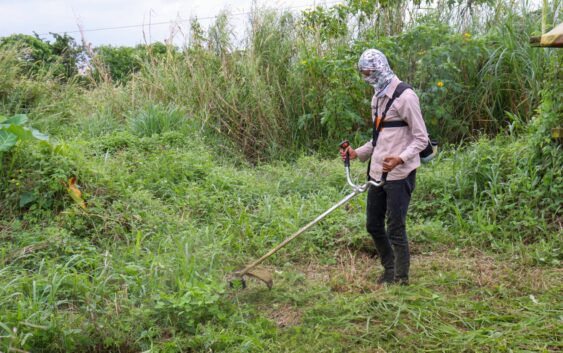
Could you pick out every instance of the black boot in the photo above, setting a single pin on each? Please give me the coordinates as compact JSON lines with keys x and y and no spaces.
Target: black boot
{"x":401,"y":281}
{"x":387,"y":258}
{"x":402,"y":264}
{"x":387,"y":277}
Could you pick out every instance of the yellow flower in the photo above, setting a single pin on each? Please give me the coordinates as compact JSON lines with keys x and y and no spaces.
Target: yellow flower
{"x":440,"y":84}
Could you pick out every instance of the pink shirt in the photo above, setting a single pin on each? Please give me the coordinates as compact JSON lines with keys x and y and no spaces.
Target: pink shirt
{"x":406,"y":142}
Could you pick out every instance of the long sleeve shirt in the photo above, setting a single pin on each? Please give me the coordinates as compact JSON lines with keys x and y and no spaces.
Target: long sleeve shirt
{"x":406,"y":142}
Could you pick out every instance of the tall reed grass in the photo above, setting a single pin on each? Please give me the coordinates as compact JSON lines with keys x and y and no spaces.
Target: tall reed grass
{"x":292,"y":83}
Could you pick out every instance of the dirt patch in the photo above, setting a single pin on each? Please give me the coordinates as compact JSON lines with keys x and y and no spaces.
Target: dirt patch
{"x":372,"y":350}
{"x":355,"y":272}
{"x":284,"y":315}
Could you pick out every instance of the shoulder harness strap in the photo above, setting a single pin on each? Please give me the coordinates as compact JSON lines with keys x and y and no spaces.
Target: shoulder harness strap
{"x":378,"y":122}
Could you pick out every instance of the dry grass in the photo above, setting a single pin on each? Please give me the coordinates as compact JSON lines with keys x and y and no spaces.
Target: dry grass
{"x":284,"y":315}
{"x":357,"y":272}
{"x":454,"y":295}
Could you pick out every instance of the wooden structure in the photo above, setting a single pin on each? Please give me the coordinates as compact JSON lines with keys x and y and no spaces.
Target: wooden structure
{"x":552,"y":39}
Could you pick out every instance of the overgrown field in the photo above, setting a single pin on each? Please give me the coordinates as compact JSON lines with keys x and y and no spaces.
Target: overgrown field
{"x":159,"y":180}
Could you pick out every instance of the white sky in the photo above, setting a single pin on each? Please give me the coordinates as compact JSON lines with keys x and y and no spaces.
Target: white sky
{"x":43,"y":16}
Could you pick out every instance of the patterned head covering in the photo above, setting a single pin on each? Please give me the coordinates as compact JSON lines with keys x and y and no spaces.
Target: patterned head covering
{"x":376,"y":62}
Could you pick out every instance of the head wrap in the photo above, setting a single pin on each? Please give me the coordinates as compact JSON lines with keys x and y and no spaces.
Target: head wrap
{"x":376,"y":62}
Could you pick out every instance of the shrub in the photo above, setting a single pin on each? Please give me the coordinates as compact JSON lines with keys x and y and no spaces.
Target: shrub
{"x":35,"y":177}
{"x":12,"y":130}
{"x":156,"y":119}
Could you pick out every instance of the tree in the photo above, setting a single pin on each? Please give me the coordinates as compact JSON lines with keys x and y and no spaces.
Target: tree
{"x":63,"y":56}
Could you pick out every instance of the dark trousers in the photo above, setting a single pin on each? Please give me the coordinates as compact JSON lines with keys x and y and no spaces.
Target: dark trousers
{"x":391,"y":200}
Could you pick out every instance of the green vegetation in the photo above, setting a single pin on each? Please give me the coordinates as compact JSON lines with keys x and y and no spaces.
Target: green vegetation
{"x":12,"y":130}
{"x":165,"y":173}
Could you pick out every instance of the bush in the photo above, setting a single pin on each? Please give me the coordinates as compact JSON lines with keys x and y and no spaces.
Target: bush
{"x":35,"y":177}
{"x":493,"y":191}
{"x":156,"y":119}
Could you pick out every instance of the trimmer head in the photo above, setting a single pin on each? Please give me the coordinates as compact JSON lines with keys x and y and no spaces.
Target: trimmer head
{"x":238,"y":281}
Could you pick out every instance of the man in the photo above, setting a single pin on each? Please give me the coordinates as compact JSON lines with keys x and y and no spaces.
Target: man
{"x":396,"y":152}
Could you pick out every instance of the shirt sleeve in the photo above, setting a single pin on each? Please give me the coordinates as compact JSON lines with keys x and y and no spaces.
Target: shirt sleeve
{"x":364,"y":152}
{"x":409,"y":111}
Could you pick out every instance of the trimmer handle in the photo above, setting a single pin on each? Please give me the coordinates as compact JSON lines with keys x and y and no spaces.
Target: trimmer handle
{"x":344,"y":145}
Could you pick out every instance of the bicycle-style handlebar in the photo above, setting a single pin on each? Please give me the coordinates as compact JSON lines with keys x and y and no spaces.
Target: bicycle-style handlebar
{"x":356,"y":187}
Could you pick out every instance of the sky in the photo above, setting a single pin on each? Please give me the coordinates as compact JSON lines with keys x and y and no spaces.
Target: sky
{"x":60,"y":16}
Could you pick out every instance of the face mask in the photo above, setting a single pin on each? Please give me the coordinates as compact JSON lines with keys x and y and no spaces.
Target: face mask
{"x":372,"y":79}
{"x":381,"y":74}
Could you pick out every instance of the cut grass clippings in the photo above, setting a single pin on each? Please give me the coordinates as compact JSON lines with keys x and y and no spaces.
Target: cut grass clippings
{"x":456,"y":302}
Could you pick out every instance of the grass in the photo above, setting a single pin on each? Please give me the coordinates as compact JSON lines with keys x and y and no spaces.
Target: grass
{"x":145,"y":266}
{"x":458,"y":302}
{"x":157,"y":119}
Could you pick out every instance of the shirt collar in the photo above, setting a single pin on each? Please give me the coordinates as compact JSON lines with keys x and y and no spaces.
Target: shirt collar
{"x":390,"y":88}
{"x":383,"y":91}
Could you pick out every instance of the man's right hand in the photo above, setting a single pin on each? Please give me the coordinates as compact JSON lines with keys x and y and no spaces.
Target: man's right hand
{"x":351,"y":151}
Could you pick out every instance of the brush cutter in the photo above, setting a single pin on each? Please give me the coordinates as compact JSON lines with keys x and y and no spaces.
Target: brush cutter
{"x":237,"y":279}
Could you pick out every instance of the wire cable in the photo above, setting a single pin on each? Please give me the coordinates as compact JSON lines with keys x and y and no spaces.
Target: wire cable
{"x":176,"y":21}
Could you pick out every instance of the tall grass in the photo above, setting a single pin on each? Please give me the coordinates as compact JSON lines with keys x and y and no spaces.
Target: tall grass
{"x":292,"y":82}
{"x":156,"y":119}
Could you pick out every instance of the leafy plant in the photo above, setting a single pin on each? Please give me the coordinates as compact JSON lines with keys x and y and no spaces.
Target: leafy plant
{"x":13,"y":129}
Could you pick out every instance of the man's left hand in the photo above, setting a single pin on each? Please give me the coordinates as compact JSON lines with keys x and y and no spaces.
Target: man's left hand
{"x":390,"y":162}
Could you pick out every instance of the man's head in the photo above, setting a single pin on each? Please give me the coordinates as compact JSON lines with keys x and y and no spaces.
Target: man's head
{"x":375,"y":70}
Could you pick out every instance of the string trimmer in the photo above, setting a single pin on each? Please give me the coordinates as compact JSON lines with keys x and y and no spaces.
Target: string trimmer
{"x":262,"y":274}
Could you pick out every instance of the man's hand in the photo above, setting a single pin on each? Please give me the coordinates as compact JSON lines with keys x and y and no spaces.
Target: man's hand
{"x":390,"y":162}
{"x":350,"y":150}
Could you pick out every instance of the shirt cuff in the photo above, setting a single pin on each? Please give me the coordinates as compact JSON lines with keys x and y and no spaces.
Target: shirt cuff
{"x":406,"y":156}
